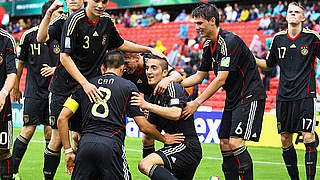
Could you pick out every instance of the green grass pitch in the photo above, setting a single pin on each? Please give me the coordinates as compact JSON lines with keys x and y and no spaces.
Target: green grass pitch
{"x":268,"y":163}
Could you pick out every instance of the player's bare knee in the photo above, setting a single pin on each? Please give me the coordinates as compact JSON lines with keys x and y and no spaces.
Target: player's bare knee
{"x":27,"y":131}
{"x":47,"y":132}
{"x":147,"y":141}
{"x":308,"y":137}
{"x":286,"y":140}
{"x":236,"y":143}
{"x":143,"y":166}
{"x":224,"y":145}
{"x":75,"y":136}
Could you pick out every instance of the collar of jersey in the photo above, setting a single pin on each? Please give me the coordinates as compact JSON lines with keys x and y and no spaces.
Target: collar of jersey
{"x":294,"y":38}
{"x":90,"y":21}
{"x":215,"y":43}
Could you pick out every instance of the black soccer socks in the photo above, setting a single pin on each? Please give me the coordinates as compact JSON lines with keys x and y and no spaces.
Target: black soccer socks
{"x":290,"y":159}
{"x":229,"y":166}
{"x":6,"y":169}
{"x":159,"y":173}
{"x":19,"y":148}
{"x":147,"y":150}
{"x":244,"y":163}
{"x":51,"y":163}
{"x":311,"y":159}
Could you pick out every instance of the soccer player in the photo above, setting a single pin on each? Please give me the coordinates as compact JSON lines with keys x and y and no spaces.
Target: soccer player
{"x":101,"y":153}
{"x":8,"y":73}
{"x":135,"y":72}
{"x":40,"y":59}
{"x":165,"y":113}
{"x":294,"y":50}
{"x":236,"y":71}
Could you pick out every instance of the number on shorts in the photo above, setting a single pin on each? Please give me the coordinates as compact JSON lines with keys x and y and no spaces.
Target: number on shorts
{"x":102,"y":103}
{"x":304,"y":123}
{"x":239,"y":129}
{"x":3,"y":138}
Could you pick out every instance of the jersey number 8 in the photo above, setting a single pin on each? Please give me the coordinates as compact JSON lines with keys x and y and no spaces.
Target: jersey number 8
{"x":102,"y":103}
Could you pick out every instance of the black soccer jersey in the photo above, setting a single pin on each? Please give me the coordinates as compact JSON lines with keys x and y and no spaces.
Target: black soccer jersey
{"x":86,"y":43}
{"x":107,"y":117}
{"x":230,"y":53}
{"x":56,"y":26}
{"x":174,"y":96}
{"x":141,"y":81}
{"x":296,"y":57}
{"x":35,"y":54}
{"x":7,"y":56}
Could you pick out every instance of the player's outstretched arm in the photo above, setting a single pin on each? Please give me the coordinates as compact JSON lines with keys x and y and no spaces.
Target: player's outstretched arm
{"x":151,"y":131}
{"x":5,"y":91}
{"x":130,"y":47}
{"x":174,"y":76}
{"x":43,"y":35}
{"x":213,"y":87}
{"x":172,"y":113}
{"x":47,"y":70}
{"x":16,"y":93}
{"x":194,"y":79}
{"x":261,"y":63}
{"x":90,"y":89}
{"x":63,"y":119}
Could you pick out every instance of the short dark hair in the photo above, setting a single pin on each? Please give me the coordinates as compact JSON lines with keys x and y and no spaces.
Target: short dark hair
{"x":163,"y":61}
{"x":207,"y":11}
{"x":45,"y":7}
{"x":114,"y":59}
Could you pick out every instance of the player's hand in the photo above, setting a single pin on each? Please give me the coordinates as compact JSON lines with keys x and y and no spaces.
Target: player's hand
{"x":47,"y":70}
{"x":138,"y":100}
{"x":69,"y":162}
{"x":190,"y":108}
{"x":17,"y":95}
{"x":162,"y":86}
{"x":93,"y":93}
{"x":56,"y":5}
{"x":2,"y":100}
{"x":158,"y":53}
{"x":146,"y":113}
{"x":173,"y":138}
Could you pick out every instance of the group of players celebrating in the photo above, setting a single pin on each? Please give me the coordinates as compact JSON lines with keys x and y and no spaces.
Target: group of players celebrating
{"x":66,"y":52}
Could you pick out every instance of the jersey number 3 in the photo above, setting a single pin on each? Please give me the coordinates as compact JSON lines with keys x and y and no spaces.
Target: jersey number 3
{"x":102,"y":103}
{"x":87,"y":40}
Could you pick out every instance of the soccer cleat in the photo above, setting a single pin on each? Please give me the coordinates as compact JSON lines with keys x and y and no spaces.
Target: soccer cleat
{"x":16,"y":177}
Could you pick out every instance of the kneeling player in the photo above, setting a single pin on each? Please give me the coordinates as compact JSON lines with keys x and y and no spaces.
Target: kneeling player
{"x":165,"y":110}
{"x":101,"y":153}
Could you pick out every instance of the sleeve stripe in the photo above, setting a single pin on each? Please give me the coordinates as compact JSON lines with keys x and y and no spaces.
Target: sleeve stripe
{"x":71,"y":104}
{"x":73,"y":22}
{"x":6,"y":34}
{"x":171,"y":90}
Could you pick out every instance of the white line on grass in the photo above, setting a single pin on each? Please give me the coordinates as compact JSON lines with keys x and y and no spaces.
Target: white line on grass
{"x":212,"y":158}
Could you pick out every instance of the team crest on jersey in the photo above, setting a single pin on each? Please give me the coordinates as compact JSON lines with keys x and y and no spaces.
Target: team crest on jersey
{"x":104,"y":39}
{"x":304,"y":50}
{"x":1,"y":58}
{"x":56,"y":48}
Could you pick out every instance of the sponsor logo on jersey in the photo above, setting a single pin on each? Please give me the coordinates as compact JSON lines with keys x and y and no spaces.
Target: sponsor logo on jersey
{"x":56,"y":48}
{"x":304,"y":50}
{"x":293,"y":46}
{"x":139,"y":81}
{"x":95,"y":33}
{"x":1,"y":58}
{"x":225,"y":61}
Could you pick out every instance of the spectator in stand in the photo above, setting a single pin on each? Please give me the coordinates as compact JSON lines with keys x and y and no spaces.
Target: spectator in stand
{"x":234,"y":15}
{"x":144,"y":21}
{"x":160,"y":47}
{"x":269,"y":10}
{"x":173,"y":55}
{"x":228,"y":11}
{"x":16,"y":28}
{"x":150,"y":20}
{"x":262,"y":10}
{"x":150,"y":10}
{"x":285,"y":8}
{"x":222,"y":16}
{"x":159,"y":15}
{"x":238,"y":10}
{"x":272,"y":28}
{"x":133,"y":19}
{"x":244,"y":15}
{"x":182,"y":16}
{"x":165,"y":17}
{"x":253,"y":12}
{"x":307,"y":24}
{"x":126,"y":18}
{"x":29,"y":23}
{"x":264,"y":23}
{"x":316,"y":27}
{"x":257,"y":46}
{"x":139,"y":17}
{"x":278,"y":8}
